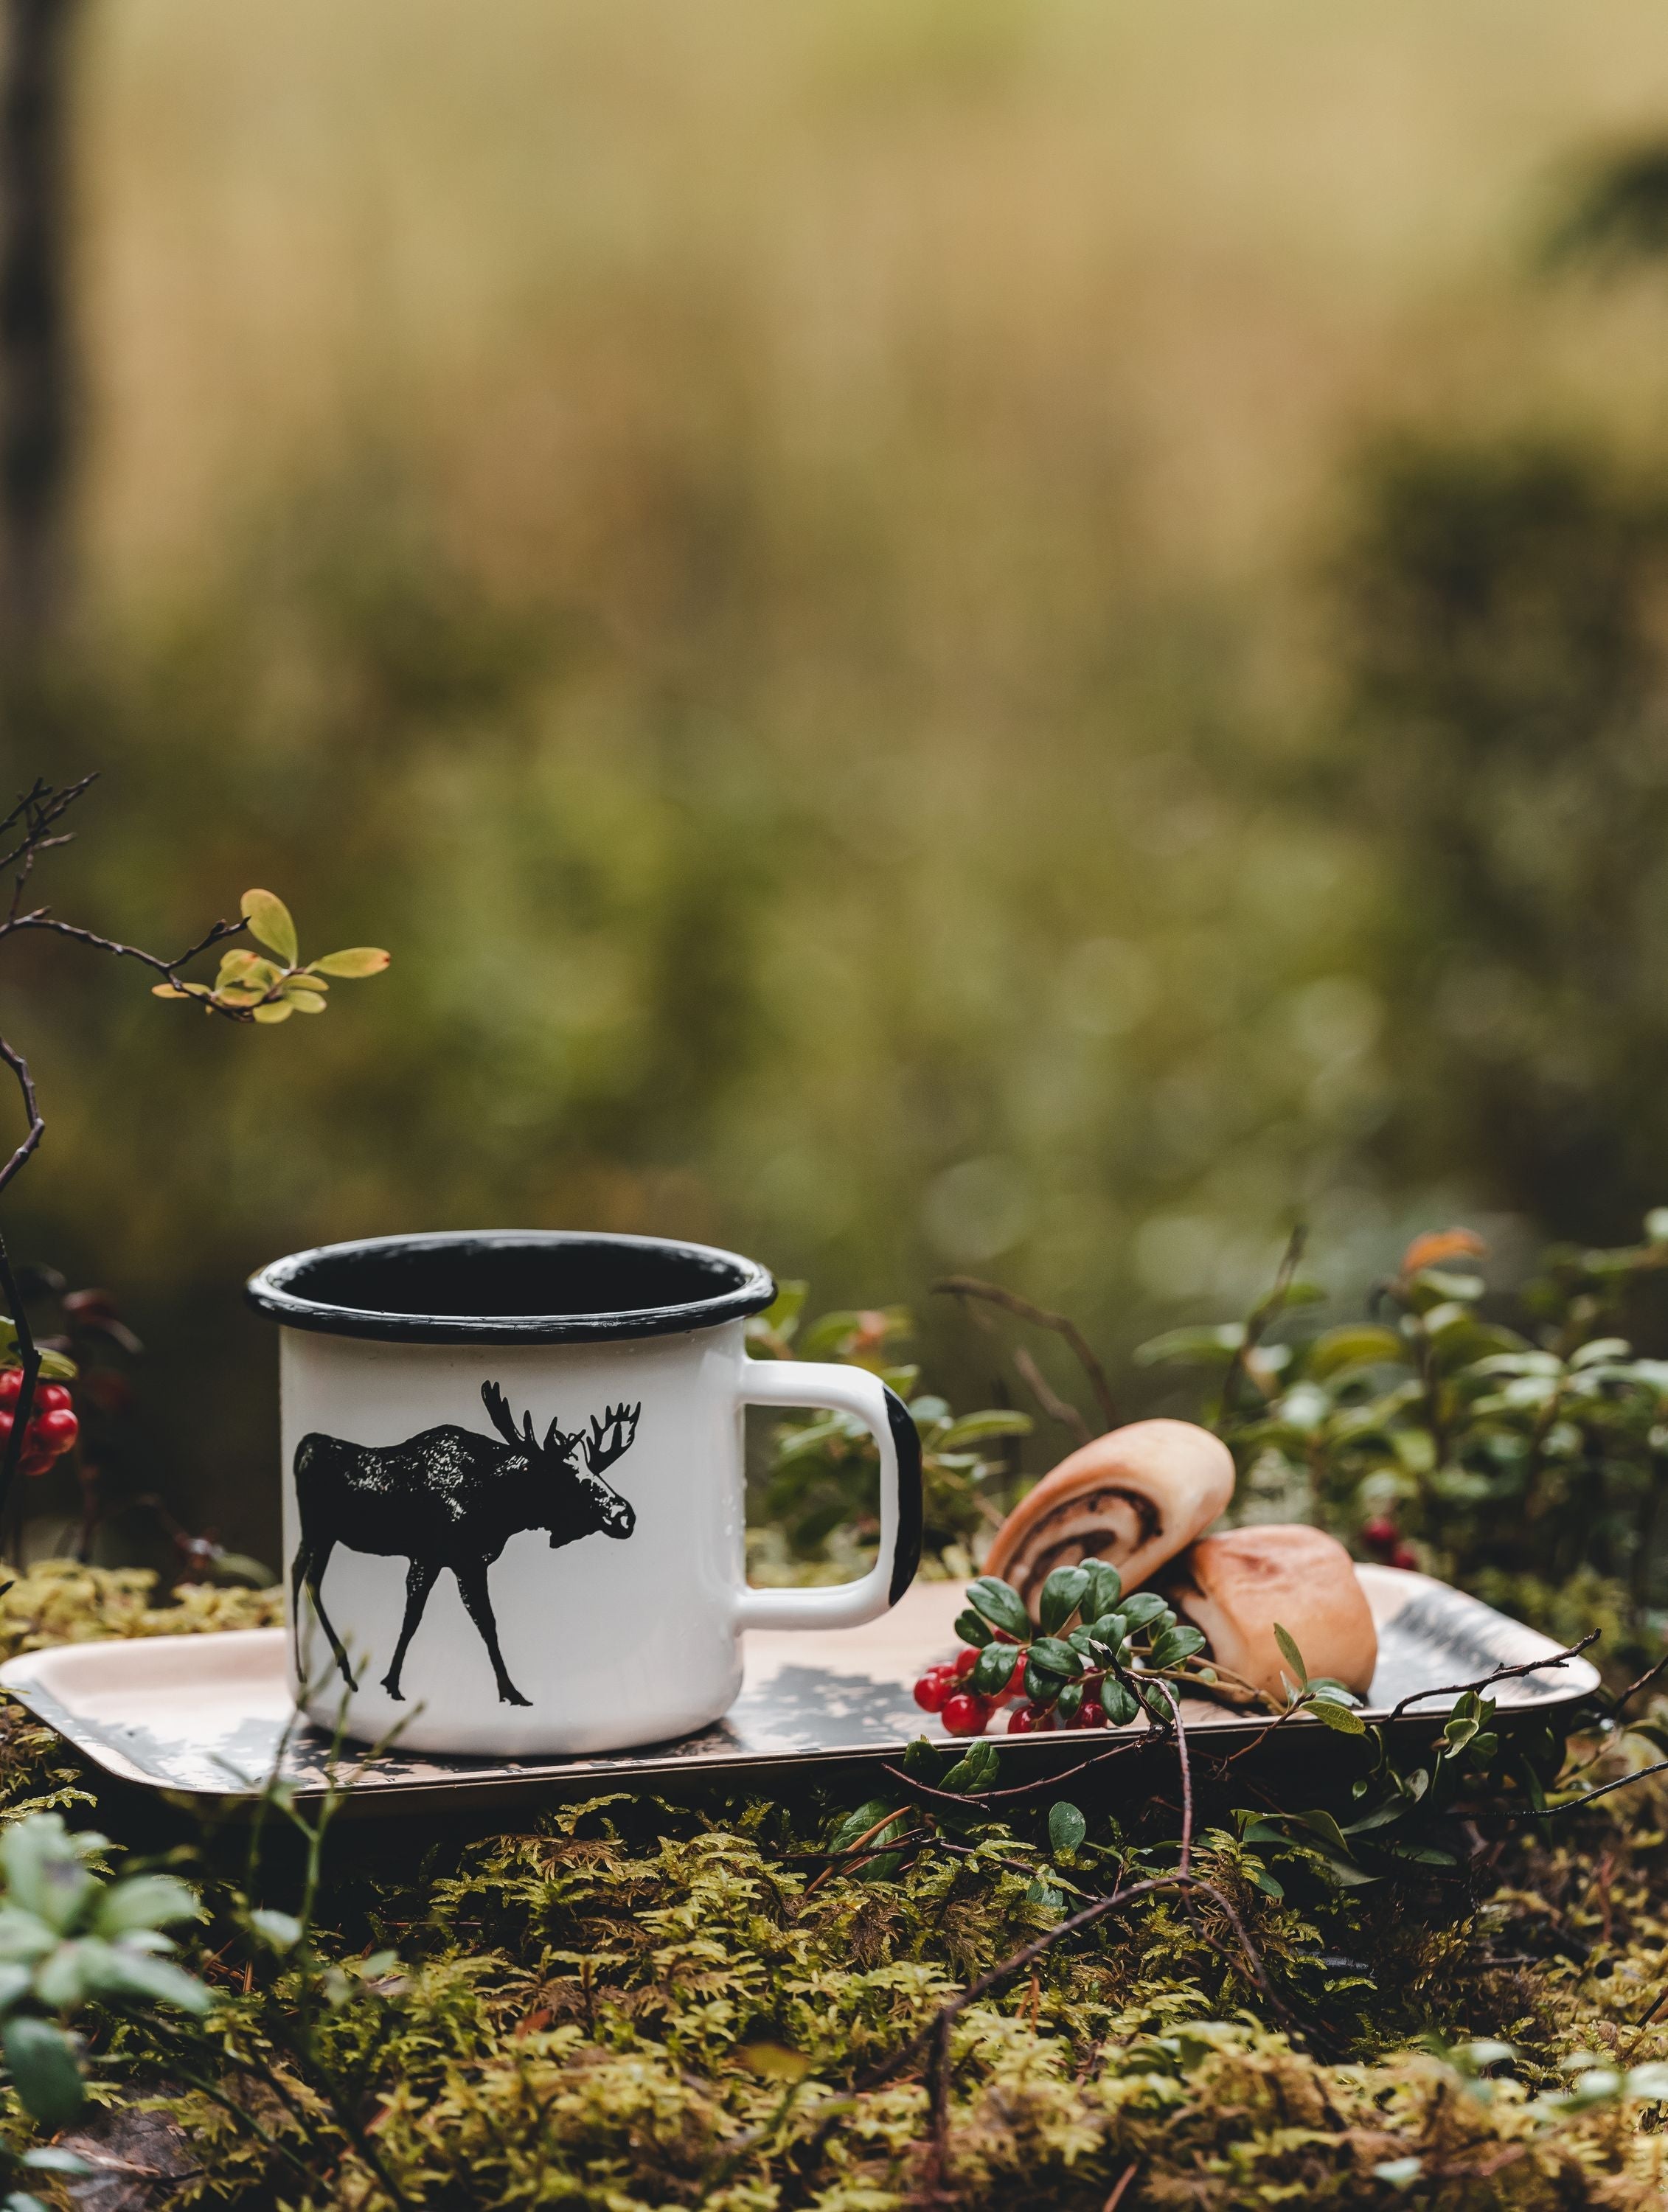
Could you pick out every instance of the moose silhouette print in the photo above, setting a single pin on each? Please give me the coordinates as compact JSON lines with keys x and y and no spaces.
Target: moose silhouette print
{"x":453,"y":1498}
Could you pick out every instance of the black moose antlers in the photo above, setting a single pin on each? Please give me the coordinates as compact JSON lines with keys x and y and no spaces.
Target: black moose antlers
{"x":453,"y":1498}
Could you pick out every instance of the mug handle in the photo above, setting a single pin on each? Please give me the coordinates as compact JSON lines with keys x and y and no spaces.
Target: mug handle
{"x":845,"y":1390}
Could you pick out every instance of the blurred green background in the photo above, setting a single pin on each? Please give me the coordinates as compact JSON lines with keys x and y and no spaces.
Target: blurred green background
{"x":1015,"y":637}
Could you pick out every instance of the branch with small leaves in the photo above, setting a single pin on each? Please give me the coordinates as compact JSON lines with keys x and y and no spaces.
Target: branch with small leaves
{"x":1101,"y":1658}
{"x":248,"y":987}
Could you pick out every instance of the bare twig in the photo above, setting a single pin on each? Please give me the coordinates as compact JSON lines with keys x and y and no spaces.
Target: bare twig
{"x":43,"y":918}
{"x":1499,"y":1674}
{"x":971,"y":1286}
{"x":1056,"y":1407}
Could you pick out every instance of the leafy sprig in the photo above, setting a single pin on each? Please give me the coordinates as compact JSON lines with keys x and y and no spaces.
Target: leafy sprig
{"x":271,"y":990}
{"x":1095,"y":1645}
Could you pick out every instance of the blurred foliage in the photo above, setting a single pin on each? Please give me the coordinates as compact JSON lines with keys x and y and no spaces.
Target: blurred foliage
{"x":814,"y":1510}
{"x":1529,"y":1462}
{"x":824,"y":680}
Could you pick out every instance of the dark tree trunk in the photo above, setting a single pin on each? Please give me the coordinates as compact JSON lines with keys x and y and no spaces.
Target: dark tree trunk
{"x":37,"y":369}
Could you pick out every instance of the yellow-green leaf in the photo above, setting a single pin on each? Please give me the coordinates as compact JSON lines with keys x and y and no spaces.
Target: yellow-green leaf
{"x":235,"y":965}
{"x":304,"y":1002}
{"x":240,"y":995}
{"x":168,"y":991}
{"x":357,"y":960}
{"x":774,"y":2060}
{"x":269,"y":919}
{"x":277,"y":1010}
{"x":56,"y":1367}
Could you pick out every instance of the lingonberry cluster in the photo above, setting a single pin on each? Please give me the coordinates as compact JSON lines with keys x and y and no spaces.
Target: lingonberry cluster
{"x":1100,"y":1672}
{"x":53,"y":1427}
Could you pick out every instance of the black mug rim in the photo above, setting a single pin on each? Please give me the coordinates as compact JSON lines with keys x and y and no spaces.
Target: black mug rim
{"x":739,"y":1287}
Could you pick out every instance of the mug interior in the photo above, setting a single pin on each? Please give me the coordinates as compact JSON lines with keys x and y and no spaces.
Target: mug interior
{"x":510,"y":1287}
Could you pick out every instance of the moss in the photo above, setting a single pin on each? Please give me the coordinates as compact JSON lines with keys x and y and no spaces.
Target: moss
{"x":629,"y":2004}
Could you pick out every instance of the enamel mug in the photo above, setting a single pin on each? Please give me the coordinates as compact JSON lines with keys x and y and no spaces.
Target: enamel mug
{"x":512,"y":1486}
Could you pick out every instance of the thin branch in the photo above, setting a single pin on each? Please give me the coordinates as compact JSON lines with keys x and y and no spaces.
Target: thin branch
{"x":971,"y":1286}
{"x":1056,"y":1407}
{"x":1499,"y":1674}
{"x":1145,"y":1741}
{"x":19,"y":1068}
{"x":42,"y":918}
{"x":1185,"y":1865}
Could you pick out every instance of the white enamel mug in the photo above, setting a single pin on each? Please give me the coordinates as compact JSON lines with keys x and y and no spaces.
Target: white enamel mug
{"x":513,"y":1494}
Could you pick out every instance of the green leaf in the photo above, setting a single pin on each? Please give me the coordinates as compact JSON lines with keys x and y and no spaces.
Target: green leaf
{"x":117,"y":1970}
{"x":1055,"y":1656}
{"x":1112,"y":1630}
{"x":1339,"y":1718}
{"x":1062,"y":1595}
{"x":282,"y":1931}
{"x":854,"y":1825}
{"x":279,"y":1010}
{"x":45,"y":1870}
{"x":971,"y":1630}
{"x":994,"y":1667}
{"x":1357,"y":1344}
{"x":1116,"y":1702}
{"x":774,"y":2061}
{"x":270,"y":924}
{"x":1292,"y":1655}
{"x":1141,"y":1607}
{"x":1000,"y":1604}
{"x":55,"y":1367}
{"x":1066,"y":1829}
{"x":1105,"y":1588}
{"x":53,"y":2158}
{"x":44,"y":2070}
{"x":146,"y":1900}
{"x":1066,"y":1704}
{"x":1193,"y":1348}
{"x":303,"y":1001}
{"x":971,"y":1428}
{"x":1176,"y":1645}
{"x":357,"y":960}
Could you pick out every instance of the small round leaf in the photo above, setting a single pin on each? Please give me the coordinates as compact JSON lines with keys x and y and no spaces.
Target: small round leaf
{"x":270,"y":922}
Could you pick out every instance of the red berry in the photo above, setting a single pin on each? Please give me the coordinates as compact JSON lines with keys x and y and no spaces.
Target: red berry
{"x":932,"y":1689}
{"x":35,"y":1462}
{"x":51,"y":1398}
{"x":11,"y":1382}
{"x":1090,"y":1713}
{"x":1380,"y":1533}
{"x":1403,"y":1556}
{"x":5,"y":1427}
{"x":57,"y":1427}
{"x":965,"y":1715}
{"x":963,"y":1662}
{"x":1030,"y":1720}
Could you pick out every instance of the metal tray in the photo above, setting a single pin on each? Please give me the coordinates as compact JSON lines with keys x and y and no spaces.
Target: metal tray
{"x":204,"y":1718}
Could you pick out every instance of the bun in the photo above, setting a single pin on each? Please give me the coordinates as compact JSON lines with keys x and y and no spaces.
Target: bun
{"x":1137,"y":1496}
{"x":1237,"y":1586}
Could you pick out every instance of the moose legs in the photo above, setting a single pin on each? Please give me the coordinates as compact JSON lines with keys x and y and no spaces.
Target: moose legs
{"x":471,"y":1582}
{"x":419,"y":1581}
{"x":311,"y":1560}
